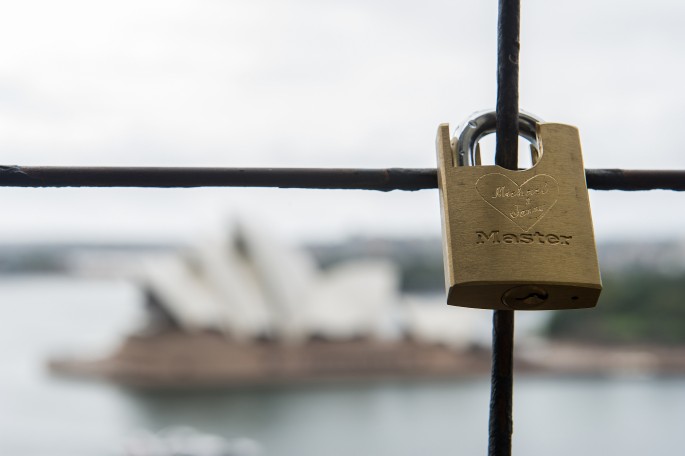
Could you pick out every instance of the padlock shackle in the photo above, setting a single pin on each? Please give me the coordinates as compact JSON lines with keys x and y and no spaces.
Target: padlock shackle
{"x":482,"y":123}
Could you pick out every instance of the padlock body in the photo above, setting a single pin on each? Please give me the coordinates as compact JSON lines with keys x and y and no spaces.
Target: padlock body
{"x":523,"y":239}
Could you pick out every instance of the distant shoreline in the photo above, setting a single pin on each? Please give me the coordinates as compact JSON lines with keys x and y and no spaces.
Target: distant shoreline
{"x":180,"y":360}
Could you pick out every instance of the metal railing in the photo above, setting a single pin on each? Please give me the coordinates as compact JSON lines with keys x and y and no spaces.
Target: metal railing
{"x":374,"y":179}
{"x":384,"y":180}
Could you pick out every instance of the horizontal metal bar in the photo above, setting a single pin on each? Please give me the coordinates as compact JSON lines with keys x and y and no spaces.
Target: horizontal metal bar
{"x":635,"y":179}
{"x":317,"y":178}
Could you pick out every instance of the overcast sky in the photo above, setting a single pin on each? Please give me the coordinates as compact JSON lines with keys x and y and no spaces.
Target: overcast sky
{"x":322,"y":84}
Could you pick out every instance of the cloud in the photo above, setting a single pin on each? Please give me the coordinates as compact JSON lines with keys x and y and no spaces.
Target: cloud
{"x":303,"y":83}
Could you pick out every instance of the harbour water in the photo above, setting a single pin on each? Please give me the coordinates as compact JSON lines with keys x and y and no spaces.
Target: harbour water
{"x":44,"y":415}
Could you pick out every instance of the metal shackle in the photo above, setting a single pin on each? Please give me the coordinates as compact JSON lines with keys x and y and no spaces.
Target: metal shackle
{"x":483,"y":123}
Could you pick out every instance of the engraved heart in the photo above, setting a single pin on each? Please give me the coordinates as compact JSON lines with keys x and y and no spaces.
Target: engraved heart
{"x":523,"y":204}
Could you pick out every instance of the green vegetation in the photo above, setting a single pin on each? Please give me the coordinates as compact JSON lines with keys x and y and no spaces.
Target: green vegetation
{"x":638,"y":306}
{"x":640,"y":302}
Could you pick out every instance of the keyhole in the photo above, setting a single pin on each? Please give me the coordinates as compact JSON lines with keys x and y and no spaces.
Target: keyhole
{"x":524,"y":297}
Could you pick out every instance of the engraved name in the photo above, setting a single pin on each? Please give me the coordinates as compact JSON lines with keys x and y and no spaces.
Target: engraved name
{"x":518,"y":192}
{"x":520,"y":211}
{"x":495,"y":237}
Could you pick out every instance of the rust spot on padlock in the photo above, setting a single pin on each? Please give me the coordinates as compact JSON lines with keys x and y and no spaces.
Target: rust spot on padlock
{"x":524,"y":297}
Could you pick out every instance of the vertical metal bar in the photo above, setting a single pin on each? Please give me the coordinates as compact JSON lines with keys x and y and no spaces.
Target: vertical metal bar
{"x":506,"y":152}
{"x":506,"y":155}
{"x":502,"y":381}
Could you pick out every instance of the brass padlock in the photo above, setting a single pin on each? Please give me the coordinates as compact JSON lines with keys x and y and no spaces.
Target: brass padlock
{"x":517,"y":239}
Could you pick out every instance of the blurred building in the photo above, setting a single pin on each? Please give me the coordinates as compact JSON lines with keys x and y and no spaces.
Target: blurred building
{"x":247,"y":308}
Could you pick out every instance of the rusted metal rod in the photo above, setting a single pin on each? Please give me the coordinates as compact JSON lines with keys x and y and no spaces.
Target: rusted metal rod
{"x":317,"y":178}
{"x":635,"y":179}
{"x":506,"y":155}
{"x":501,"y":425}
{"x":507,"y":107}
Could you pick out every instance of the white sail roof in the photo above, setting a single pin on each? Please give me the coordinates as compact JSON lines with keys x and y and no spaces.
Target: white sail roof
{"x":353,"y":299}
{"x":286,"y":274}
{"x":250,"y":285}
{"x":185,"y":293}
{"x":243,"y":305}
